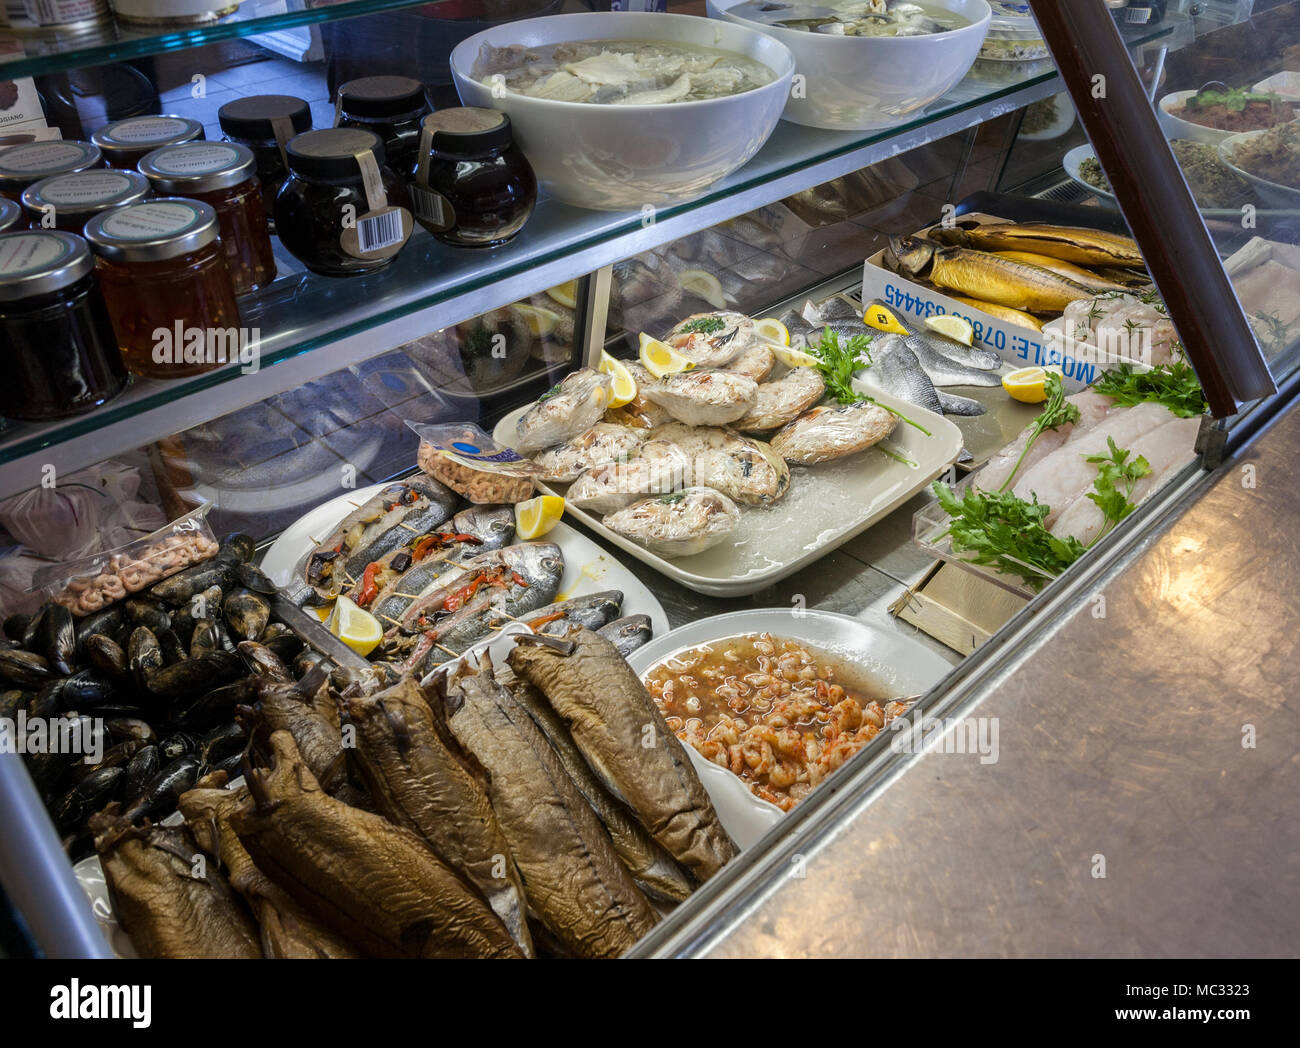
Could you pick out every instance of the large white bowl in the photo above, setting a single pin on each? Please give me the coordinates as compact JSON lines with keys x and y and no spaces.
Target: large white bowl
{"x":1176,"y":127}
{"x":890,"y":659}
{"x":858,"y":83}
{"x":1269,"y":192}
{"x":618,"y":158}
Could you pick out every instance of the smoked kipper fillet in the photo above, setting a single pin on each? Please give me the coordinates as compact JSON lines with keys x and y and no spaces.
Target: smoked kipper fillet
{"x":376,"y":884}
{"x":575,"y":881}
{"x":170,"y":905}
{"x":420,"y":777}
{"x":287,"y":930}
{"x":619,"y":729}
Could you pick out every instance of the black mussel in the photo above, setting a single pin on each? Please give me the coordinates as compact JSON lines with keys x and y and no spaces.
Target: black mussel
{"x":151,"y":613}
{"x":125,"y":707}
{"x":194,"y":675}
{"x":246,"y":613}
{"x":9,"y":645}
{"x":89,"y":795}
{"x":106,"y":655}
{"x":219,"y":744}
{"x":213,"y":706}
{"x":11,"y":701}
{"x":233,"y":765}
{"x":142,"y":767}
{"x":56,"y":638}
{"x":175,"y":744}
{"x":305,"y":660}
{"x":236,"y":547}
{"x":88,"y":689}
{"x":179,"y":588}
{"x":15,"y":626}
{"x":33,"y":628}
{"x":125,"y":729}
{"x":111,"y":622}
{"x":205,"y":638}
{"x":117,"y":755}
{"x":227,"y":643}
{"x":143,"y":654}
{"x":281,"y":640}
{"x":207,"y":604}
{"x":48,"y":771}
{"x":264,"y":662}
{"x":24,"y":668}
{"x":159,"y":796}
{"x":49,"y":701}
{"x":172,"y":648}
{"x":255,"y":579}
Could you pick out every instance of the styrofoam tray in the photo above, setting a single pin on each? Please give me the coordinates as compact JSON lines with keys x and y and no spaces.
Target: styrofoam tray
{"x":827,"y":505}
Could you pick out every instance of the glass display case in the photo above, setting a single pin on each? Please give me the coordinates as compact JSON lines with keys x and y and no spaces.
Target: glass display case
{"x":989,"y":345}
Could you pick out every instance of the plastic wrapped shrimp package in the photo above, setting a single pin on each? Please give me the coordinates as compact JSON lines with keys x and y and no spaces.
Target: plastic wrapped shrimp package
{"x":677,"y":524}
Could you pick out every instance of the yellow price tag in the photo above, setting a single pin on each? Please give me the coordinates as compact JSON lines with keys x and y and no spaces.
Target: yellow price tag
{"x":880,"y":316}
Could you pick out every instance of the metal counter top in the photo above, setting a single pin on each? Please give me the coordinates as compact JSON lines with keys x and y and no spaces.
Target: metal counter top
{"x":1142,"y":802}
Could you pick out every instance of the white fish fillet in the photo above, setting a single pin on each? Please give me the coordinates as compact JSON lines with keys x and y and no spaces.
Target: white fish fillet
{"x":1093,"y":407}
{"x":1065,"y":474}
{"x":704,"y":396}
{"x":742,"y":468}
{"x":678,"y":524}
{"x":602,"y":444}
{"x":1166,"y":448}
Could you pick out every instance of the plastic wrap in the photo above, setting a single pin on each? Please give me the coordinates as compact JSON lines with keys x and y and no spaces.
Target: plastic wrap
{"x":659,"y":467}
{"x":678,"y":524}
{"x":832,"y":432}
{"x":704,"y":397}
{"x":604,"y":443}
{"x":474,"y":465}
{"x":561,"y":413}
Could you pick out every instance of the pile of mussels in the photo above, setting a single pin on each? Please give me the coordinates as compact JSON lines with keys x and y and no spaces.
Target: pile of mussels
{"x":156,"y":681}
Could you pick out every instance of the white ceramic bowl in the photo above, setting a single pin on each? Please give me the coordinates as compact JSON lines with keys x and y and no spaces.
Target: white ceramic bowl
{"x":857,"y":83}
{"x":1269,"y":192}
{"x":1176,"y":127}
{"x":618,"y":158}
{"x":896,"y":662}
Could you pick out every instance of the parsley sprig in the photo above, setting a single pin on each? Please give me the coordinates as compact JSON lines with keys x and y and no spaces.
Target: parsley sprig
{"x":837,"y":363}
{"x":1116,"y":479}
{"x":1057,"y":411}
{"x":1173,"y":385}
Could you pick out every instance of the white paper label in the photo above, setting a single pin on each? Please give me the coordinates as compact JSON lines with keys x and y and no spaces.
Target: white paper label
{"x":86,"y":187}
{"x":43,"y":156}
{"x":149,"y":220}
{"x":196,"y":159}
{"x":149,"y":129}
{"x":24,"y":252}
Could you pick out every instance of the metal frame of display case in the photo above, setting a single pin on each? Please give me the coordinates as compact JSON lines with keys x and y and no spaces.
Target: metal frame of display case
{"x":565,"y":244}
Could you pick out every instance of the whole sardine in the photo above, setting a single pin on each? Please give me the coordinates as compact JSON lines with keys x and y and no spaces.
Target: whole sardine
{"x":574,"y":879}
{"x":377,"y":884}
{"x":591,"y":611}
{"x":422,"y":778}
{"x":622,"y":734}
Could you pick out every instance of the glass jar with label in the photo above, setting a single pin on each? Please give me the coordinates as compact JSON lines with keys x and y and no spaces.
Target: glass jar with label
{"x":65,"y":14}
{"x":224,"y":175}
{"x":473,"y":187}
{"x":24,"y":165}
{"x":167,"y":285}
{"x":68,"y":202}
{"x":173,"y":12}
{"x":265,"y":123}
{"x":125,"y":143}
{"x":60,"y":353}
{"x":11,"y":215}
{"x":390,"y":106}
{"x":342,"y":211}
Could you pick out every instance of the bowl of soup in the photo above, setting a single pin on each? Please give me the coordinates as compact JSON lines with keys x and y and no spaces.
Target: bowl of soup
{"x":866,"y":64}
{"x":628,"y":111}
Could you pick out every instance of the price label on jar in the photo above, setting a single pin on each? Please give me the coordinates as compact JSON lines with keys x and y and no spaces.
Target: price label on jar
{"x":384,"y":229}
{"x":195,"y":158}
{"x":86,"y":187}
{"x":160,"y":218}
{"x":433,"y":209}
{"x":27,"y":252}
{"x":150,"y":129}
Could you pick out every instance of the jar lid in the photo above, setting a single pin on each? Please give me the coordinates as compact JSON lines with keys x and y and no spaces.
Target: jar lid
{"x":145,"y":134}
{"x":380,"y":96}
{"x":251,"y":117}
{"x":198,"y":167}
{"x":331,"y":152}
{"x":468,"y":129}
{"x":84,"y":193}
{"x":10,"y":213}
{"x":152,"y":230}
{"x":38,"y":261}
{"x":20,"y":166}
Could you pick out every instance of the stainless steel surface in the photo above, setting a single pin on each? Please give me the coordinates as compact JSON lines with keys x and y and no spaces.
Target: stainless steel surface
{"x":1150,"y":739}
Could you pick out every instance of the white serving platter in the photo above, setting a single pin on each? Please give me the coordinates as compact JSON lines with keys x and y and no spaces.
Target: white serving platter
{"x":1072,"y":163}
{"x":827,"y":505}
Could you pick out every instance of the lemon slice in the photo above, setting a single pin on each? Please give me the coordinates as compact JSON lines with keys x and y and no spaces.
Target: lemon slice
{"x":705,"y":285}
{"x":536,"y":516}
{"x":773,"y":330}
{"x":323,"y":612}
{"x":661,"y":359}
{"x":356,"y":628}
{"x":624,"y":388}
{"x":540,"y":320}
{"x":956,"y":328}
{"x":793,"y":358}
{"x":1027,"y":385}
{"x":565,"y":294}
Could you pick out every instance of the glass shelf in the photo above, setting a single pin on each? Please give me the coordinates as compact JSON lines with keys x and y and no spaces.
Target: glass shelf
{"x":55,"y":50}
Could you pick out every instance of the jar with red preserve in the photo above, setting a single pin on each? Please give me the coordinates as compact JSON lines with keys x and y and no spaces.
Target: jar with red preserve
{"x":68,"y":202}
{"x":168,"y":289}
{"x":125,"y":143}
{"x":223,"y":174}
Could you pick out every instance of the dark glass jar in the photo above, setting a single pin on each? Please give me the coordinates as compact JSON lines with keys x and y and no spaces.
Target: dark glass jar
{"x":265,"y":123}
{"x":165,"y":279}
{"x":10,"y":215}
{"x":224,"y":175}
{"x":319,"y":210}
{"x":21,"y":166}
{"x":125,"y":143}
{"x":473,"y":186}
{"x":60,"y":353}
{"x":390,"y":106}
{"x":68,"y":202}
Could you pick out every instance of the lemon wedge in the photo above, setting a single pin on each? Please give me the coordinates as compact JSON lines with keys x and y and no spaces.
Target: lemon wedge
{"x":323,"y":612}
{"x":791,"y":357}
{"x":540,"y":320}
{"x":536,"y":516}
{"x":661,"y":359}
{"x":1027,"y":385}
{"x":356,"y":628}
{"x":705,"y":285}
{"x":956,"y":328}
{"x":565,"y":294}
{"x":773,"y":330}
{"x":624,"y":389}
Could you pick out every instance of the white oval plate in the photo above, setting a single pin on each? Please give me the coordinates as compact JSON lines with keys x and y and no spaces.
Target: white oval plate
{"x":1072,"y":162}
{"x":896,"y":662}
